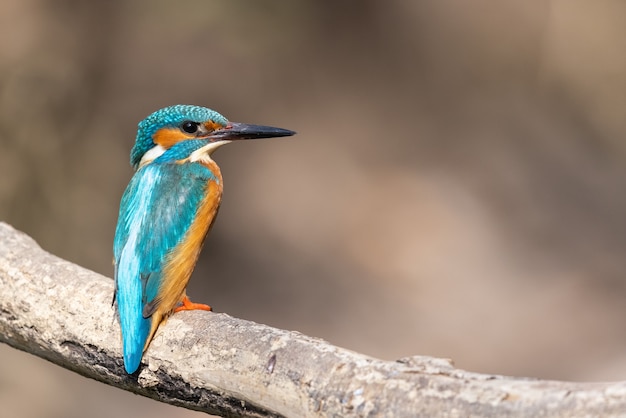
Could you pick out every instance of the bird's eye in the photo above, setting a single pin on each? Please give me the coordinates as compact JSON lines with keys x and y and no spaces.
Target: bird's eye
{"x":189,"y":127}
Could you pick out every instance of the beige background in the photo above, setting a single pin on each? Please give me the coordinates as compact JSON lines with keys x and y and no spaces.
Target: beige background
{"x":457,"y":186}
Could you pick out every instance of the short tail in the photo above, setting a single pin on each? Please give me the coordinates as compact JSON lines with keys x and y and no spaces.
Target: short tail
{"x":135,"y":330}
{"x":133,"y":350}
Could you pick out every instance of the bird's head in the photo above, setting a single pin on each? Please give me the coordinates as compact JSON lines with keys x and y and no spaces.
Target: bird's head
{"x":169,"y":126}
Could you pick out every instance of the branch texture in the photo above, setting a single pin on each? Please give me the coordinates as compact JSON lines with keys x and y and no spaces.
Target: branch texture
{"x":230,"y":367}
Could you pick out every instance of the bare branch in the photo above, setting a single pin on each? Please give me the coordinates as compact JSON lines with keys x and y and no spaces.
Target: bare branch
{"x":222,"y":365}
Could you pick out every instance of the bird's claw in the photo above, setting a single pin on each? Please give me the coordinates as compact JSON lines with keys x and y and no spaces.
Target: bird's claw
{"x":187,"y":305}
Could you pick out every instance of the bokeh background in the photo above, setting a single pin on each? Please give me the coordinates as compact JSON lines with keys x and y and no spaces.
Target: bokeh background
{"x":457,"y":187}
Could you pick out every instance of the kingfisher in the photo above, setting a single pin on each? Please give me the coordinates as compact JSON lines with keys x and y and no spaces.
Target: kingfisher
{"x":165,"y":214}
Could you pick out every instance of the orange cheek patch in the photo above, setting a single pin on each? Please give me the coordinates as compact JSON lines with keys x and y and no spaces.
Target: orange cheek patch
{"x":167,"y":137}
{"x":212,"y":126}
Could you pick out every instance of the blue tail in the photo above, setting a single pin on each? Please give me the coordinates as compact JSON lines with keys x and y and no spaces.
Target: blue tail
{"x":135,"y":328}
{"x":133,"y":344}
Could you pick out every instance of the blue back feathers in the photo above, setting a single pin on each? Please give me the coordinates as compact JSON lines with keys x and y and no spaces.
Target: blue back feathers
{"x":172,"y":116}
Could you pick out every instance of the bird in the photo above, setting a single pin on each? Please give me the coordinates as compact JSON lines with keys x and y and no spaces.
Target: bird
{"x":165,"y":214}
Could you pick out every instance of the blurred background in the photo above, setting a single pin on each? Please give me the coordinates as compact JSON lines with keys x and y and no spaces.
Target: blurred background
{"x":457,"y":187}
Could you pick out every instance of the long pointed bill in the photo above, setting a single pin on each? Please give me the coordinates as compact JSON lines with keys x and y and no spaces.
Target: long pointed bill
{"x":234,"y":131}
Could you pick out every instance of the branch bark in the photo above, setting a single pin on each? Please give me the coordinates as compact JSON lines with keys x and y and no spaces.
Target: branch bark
{"x":226,"y":366}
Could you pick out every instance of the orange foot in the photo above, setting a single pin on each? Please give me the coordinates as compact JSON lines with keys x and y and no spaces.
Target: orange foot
{"x":190,"y":306}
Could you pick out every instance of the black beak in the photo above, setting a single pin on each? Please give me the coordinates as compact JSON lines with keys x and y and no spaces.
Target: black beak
{"x":234,"y":131}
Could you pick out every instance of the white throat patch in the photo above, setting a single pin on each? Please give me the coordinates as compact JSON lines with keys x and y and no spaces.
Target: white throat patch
{"x":151,"y":155}
{"x":204,"y":153}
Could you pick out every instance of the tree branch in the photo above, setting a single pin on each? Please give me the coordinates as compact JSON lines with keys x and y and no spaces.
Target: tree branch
{"x":223,"y":365}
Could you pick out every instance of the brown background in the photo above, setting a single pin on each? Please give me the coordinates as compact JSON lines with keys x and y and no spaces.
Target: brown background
{"x":457,"y":186}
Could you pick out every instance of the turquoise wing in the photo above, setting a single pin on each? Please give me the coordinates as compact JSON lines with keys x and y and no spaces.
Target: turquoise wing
{"x":156,"y":211}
